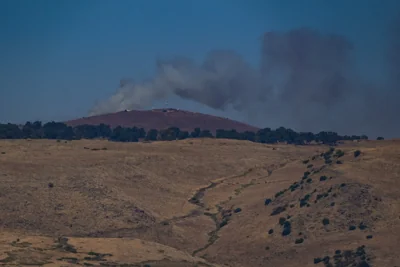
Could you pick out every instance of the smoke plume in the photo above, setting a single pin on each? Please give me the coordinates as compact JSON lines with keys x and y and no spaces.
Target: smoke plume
{"x":306,"y":80}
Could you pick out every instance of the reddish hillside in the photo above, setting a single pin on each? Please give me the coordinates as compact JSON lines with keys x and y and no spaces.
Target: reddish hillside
{"x":164,"y":118}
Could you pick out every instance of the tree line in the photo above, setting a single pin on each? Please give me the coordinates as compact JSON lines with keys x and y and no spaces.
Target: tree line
{"x":59,"y":130}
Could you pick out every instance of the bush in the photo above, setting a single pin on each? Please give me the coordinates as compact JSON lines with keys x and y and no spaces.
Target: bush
{"x":380,"y":138}
{"x":363,"y":263}
{"x":317,"y":260}
{"x":362,"y":226}
{"x":305,"y":161}
{"x":287,"y":228}
{"x":309,"y":166}
{"x":309,"y":180}
{"x":369,"y":236}
{"x":271,"y":231}
{"x":237,"y":210}
{"x":304,"y":200}
{"x":325,"y":221}
{"x":267,"y":201}
{"x":278,"y":210}
{"x":339,"y":162}
{"x":338,"y":252}
{"x":323,"y":178}
{"x":332,"y":204}
{"x":223,"y":223}
{"x":339,"y":153}
{"x":352,"y":228}
{"x":357,"y":153}
{"x":293,"y":187}
{"x":282,"y":220}
{"x":50,"y":185}
{"x":299,"y":241}
{"x":280,"y":193}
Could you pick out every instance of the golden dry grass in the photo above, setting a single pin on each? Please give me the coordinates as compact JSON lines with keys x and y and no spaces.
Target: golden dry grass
{"x":166,"y":203}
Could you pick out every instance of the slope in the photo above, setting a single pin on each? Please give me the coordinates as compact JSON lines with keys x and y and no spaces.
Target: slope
{"x":207,"y":198}
{"x":162,"y":119}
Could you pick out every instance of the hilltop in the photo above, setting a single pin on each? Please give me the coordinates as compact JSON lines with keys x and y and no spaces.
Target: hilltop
{"x":160,"y":119}
{"x":199,"y":202}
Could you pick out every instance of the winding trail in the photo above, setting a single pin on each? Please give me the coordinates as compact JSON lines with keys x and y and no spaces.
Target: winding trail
{"x":200,"y":193}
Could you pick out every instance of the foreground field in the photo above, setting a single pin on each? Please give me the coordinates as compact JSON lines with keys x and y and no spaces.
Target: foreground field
{"x":199,"y":202}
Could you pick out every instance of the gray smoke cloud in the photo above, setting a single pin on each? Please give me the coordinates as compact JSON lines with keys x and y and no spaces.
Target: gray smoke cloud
{"x":306,"y":80}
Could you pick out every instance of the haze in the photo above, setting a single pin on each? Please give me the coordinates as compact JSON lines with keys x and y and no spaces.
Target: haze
{"x":324,"y":65}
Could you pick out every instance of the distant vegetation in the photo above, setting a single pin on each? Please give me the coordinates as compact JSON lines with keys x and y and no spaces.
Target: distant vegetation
{"x":59,"y":130}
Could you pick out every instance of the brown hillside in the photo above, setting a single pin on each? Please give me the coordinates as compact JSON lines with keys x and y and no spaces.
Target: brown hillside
{"x":164,"y":118}
{"x":198,"y":202}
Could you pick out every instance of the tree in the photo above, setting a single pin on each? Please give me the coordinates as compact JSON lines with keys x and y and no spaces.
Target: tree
{"x":195,"y":133}
{"x":151,"y":135}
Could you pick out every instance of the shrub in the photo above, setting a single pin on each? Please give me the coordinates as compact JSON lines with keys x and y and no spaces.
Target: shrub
{"x":50,"y":185}
{"x":305,"y":161}
{"x":267,"y":201}
{"x":337,"y":252}
{"x":293,"y":187}
{"x":237,"y":210}
{"x":282,"y":220}
{"x":271,"y":231}
{"x":339,"y":162}
{"x":339,"y":153}
{"x":325,"y":221}
{"x":357,"y":153}
{"x":352,"y":227}
{"x":280,"y":193}
{"x":309,"y":180}
{"x":304,"y":200}
{"x":342,"y":185}
{"x":323,"y":178}
{"x":287,"y":228}
{"x":223,"y":223}
{"x":362,"y":226}
{"x":278,"y":210}
{"x":363,"y":263}
{"x":369,"y":236}
{"x":332,"y":204}
{"x":309,"y":166}
{"x":299,"y":241}
{"x":380,"y":138}
{"x":317,"y":260}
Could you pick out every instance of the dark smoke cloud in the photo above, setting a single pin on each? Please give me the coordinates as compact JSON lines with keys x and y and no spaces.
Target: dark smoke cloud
{"x":306,"y":80}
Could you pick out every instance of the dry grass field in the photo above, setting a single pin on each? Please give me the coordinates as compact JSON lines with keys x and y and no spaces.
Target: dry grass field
{"x":198,"y":202}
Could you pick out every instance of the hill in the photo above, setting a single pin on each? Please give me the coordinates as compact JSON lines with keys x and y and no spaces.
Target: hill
{"x":199,"y":202}
{"x":160,"y":119}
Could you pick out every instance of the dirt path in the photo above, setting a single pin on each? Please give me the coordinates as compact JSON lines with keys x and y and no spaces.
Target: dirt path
{"x":220,"y":219}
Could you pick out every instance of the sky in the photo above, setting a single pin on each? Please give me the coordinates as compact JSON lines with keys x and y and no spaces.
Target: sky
{"x":58,"y":58}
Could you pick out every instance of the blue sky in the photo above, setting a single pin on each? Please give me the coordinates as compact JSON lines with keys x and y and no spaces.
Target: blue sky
{"x":57,"y":57}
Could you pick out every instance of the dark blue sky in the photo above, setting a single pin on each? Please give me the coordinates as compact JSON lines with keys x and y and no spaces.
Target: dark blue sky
{"x":58,"y":57}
